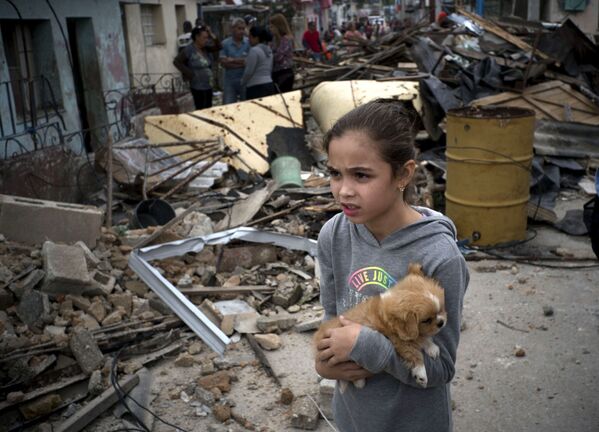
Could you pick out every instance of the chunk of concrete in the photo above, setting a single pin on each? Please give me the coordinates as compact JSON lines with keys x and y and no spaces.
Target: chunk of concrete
{"x":48,"y":220}
{"x":286,"y":294}
{"x":86,"y":351}
{"x":304,"y":414}
{"x":34,"y":309}
{"x":6,"y":299}
{"x":276,"y":323}
{"x":66,"y":269}
{"x":28,"y":282}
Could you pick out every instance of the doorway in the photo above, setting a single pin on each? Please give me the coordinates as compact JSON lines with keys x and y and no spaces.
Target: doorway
{"x":87,"y":81}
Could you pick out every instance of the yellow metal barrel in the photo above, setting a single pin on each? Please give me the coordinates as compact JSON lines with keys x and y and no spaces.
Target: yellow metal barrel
{"x":489,"y":155}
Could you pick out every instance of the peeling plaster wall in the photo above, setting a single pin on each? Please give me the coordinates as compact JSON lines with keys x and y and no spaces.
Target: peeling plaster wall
{"x":155,"y":59}
{"x":109,"y":49}
{"x":587,"y":20}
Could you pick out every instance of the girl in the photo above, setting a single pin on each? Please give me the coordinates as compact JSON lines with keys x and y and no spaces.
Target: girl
{"x":282,"y":68}
{"x":363,"y":251}
{"x":195,"y":64}
{"x":258,"y":65}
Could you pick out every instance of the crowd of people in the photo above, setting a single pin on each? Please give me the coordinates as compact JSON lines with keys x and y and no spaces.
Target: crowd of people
{"x":257,"y":60}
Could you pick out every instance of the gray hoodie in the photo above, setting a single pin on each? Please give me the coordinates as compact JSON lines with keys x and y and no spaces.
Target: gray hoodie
{"x":258,"y":66}
{"x":353,"y":266}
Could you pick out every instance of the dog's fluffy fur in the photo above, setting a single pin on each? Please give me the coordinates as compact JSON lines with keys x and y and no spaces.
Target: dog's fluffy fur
{"x":408,"y":314}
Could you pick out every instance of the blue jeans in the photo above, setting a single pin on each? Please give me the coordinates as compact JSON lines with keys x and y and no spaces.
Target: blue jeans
{"x":232,"y":90}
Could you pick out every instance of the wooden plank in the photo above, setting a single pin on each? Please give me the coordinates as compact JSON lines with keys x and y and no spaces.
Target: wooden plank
{"x":495,"y":29}
{"x":93,"y":409}
{"x":241,"y":289}
{"x":44,"y":390}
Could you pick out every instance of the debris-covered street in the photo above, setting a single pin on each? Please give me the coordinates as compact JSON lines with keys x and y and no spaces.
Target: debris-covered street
{"x":159,"y":262}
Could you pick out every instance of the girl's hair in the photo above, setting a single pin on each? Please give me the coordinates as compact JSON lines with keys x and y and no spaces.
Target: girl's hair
{"x":281,"y":24}
{"x":196,"y":31}
{"x":263,"y":35}
{"x":388,"y":123}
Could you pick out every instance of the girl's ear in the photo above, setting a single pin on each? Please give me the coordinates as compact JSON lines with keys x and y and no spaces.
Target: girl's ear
{"x":407,"y":172}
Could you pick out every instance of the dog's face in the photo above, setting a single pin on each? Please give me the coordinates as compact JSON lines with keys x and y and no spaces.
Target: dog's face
{"x":415,"y":307}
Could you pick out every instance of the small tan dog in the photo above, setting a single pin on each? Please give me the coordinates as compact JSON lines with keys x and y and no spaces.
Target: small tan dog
{"x":408,"y":314}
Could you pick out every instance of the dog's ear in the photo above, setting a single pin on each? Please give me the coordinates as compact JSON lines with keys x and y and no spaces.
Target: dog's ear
{"x":408,"y":326}
{"x":415,"y":269}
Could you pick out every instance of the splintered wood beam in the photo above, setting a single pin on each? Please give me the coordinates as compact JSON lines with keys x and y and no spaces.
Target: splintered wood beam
{"x":93,"y":409}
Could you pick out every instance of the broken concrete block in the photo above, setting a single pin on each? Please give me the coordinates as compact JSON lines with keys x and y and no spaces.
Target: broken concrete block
{"x":124,"y":300}
{"x":220,"y":380}
{"x":287,"y":294}
{"x":92,"y":260}
{"x":86,"y":351}
{"x":97,"y":310}
{"x":48,"y":220}
{"x":79,"y":302}
{"x":269,"y":341}
{"x":28,"y":282}
{"x":274,"y":323}
{"x":34,"y":309}
{"x":236,"y":315}
{"x":247,"y":257}
{"x":304,"y":414}
{"x":66,"y":269}
{"x":95,"y":385}
{"x":136,"y":287}
{"x":102,"y":284}
{"x":114,"y":317}
{"x":308,"y":325}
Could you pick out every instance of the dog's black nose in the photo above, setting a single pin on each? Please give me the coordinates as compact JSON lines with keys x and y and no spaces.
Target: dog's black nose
{"x":440,"y":323}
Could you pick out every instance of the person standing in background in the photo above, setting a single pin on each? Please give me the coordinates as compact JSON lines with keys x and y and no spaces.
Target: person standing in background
{"x":257,"y":76}
{"x":312,"y":43}
{"x":282,"y":68}
{"x":184,"y":38}
{"x":195,"y":64}
{"x":232,"y":57}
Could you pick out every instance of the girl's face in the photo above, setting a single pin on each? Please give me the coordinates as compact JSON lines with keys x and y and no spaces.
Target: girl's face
{"x":365,"y":185}
{"x":254,"y":40}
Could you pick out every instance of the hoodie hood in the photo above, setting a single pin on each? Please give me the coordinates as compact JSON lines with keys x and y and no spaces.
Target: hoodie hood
{"x":265,"y":49}
{"x":431,"y":224}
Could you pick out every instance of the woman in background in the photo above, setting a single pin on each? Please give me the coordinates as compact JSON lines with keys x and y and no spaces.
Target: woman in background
{"x":257,"y":77}
{"x":195,"y":64}
{"x":282,"y":68}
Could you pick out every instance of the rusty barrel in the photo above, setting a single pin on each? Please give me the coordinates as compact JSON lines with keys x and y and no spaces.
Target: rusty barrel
{"x":489,"y":155}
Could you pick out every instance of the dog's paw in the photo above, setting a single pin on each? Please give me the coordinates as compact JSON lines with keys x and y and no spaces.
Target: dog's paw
{"x":432,"y":350}
{"x":342,"y":386}
{"x":359,"y":383}
{"x":419,"y":374}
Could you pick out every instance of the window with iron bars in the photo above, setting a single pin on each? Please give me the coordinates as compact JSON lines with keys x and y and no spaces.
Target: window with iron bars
{"x":152,"y":24}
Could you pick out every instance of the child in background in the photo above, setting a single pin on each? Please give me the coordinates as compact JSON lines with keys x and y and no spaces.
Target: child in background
{"x":362,"y":252}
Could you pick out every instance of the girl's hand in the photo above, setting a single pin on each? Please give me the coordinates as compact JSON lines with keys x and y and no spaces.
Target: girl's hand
{"x":338,"y":342}
{"x":347,"y":371}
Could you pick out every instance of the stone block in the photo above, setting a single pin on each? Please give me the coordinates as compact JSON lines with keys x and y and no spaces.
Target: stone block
{"x":247,"y":257}
{"x":102,"y":284}
{"x":34,"y":309}
{"x":48,"y":220}
{"x":275,"y":323}
{"x":308,"y":325}
{"x":304,"y":414}
{"x":28,"y":282}
{"x":86,"y":351}
{"x":92,"y":260}
{"x":287,"y":294}
{"x":66,"y":269}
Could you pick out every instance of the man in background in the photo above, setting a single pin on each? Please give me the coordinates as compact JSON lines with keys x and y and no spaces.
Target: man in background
{"x":232,"y":57}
